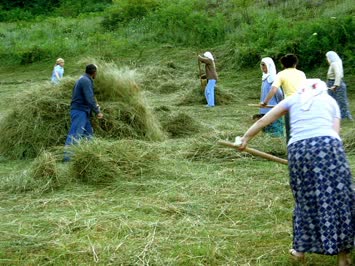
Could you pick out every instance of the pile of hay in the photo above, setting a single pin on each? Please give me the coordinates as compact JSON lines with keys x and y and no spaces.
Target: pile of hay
{"x":166,"y":80}
{"x":181,"y":125}
{"x":101,"y":162}
{"x":206,"y":148}
{"x":39,"y":119}
{"x":43,"y":175}
{"x":44,"y":171}
{"x":196,"y":96}
{"x":155,"y":75}
{"x":40,"y":116}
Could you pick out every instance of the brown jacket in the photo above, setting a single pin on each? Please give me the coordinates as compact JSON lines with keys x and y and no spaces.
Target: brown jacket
{"x":210,"y":67}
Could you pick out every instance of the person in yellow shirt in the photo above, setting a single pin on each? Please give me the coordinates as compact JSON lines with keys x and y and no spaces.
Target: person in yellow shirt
{"x":290,"y":80}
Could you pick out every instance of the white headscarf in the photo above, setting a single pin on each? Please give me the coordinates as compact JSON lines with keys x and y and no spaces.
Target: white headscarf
{"x":310,"y":89}
{"x":271,"y":69}
{"x":208,"y":55}
{"x":333,"y":57}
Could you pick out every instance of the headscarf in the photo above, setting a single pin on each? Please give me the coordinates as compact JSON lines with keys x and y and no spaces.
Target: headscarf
{"x":271,"y":69}
{"x":208,"y":55}
{"x":333,"y":57}
{"x":310,"y":89}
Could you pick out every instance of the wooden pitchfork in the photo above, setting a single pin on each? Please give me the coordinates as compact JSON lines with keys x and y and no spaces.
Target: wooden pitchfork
{"x":200,"y":73}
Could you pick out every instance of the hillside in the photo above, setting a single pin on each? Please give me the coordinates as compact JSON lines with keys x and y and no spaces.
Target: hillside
{"x":178,"y":200}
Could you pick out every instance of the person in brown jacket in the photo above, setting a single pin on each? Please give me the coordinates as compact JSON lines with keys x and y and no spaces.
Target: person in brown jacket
{"x":211,"y":76}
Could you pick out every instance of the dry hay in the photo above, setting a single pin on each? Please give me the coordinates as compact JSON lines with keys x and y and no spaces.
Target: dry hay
{"x":44,"y":167}
{"x":162,"y":108}
{"x":196,"y":96}
{"x":101,"y":162}
{"x":166,"y":80}
{"x":181,"y":125}
{"x":43,"y":175}
{"x":349,"y":141}
{"x":44,"y":171}
{"x":154,"y":75}
{"x":40,"y":116}
{"x":39,"y":119}
{"x":206,"y":148}
{"x":269,"y":144}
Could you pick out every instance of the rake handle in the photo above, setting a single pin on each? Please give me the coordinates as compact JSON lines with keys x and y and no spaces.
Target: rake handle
{"x":254,"y":152}
{"x":261,"y":106}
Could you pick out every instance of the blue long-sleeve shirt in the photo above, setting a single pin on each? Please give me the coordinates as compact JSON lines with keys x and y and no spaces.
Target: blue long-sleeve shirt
{"x":83,"y":95}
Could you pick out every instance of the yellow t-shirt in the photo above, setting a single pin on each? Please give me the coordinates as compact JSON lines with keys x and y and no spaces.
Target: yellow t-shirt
{"x":290,"y":79}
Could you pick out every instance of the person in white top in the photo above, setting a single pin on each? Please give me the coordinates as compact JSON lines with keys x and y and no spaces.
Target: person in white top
{"x":58,"y":71}
{"x":320,"y":176}
{"x":336,"y":84}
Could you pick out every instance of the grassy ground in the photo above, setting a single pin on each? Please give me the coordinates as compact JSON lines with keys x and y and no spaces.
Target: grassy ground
{"x":205,"y":207}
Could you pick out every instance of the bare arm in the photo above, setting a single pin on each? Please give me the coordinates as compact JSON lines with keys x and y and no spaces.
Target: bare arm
{"x":271,"y":94}
{"x":338,"y":77}
{"x":203,"y":59}
{"x":57,"y":75}
{"x":267,"y":119}
{"x":336,"y":125}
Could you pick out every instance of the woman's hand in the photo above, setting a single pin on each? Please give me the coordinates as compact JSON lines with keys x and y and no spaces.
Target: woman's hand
{"x":241,"y":142}
{"x":334,"y":88}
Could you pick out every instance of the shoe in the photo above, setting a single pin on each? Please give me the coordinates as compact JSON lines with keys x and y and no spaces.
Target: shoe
{"x":298,"y":256}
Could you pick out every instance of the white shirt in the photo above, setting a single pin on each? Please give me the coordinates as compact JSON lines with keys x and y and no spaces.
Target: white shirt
{"x":315,"y":122}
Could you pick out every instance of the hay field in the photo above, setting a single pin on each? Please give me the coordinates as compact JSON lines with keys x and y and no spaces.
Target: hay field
{"x":176,"y":200}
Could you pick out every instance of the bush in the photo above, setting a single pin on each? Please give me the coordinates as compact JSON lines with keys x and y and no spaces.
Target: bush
{"x":309,"y":43}
{"x":34,"y":54}
{"x":181,"y":125}
{"x":187,"y":23}
{"x":126,"y":11}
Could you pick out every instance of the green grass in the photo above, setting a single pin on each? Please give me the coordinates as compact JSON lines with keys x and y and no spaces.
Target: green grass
{"x":218,"y":207}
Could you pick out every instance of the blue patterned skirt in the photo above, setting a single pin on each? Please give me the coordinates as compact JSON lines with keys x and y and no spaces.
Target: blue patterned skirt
{"x":320,"y":178}
{"x":340,"y":95}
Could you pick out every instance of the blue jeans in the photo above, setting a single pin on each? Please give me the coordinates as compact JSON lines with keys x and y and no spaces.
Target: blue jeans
{"x":209,"y":92}
{"x":80,"y":128}
{"x":340,"y":95}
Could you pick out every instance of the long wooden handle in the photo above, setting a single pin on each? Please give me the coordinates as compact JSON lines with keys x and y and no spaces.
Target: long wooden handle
{"x":200,"y":73}
{"x":261,"y":106}
{"x":254,"y":152}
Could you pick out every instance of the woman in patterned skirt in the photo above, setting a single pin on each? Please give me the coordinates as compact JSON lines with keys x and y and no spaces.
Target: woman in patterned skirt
{"x":320,"y":177}
{"x":336,"y":84}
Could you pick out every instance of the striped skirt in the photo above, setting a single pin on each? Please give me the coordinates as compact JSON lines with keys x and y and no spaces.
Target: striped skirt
{"x":321,"y":183}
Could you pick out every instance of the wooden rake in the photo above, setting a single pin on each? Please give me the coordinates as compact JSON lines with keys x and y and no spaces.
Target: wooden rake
{"x":254,"y":152}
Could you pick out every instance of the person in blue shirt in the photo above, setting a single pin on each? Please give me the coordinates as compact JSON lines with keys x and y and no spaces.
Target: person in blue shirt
{"x":83,"y":104}
{"x":58,"y":71}
{"x":268,"y":69}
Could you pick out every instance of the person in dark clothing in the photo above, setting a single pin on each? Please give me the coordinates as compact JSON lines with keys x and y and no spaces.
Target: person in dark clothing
{"x":83,"y":104}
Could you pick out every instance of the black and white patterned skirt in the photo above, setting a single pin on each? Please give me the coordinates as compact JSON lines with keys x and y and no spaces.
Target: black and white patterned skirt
{"x":321,"y":183}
